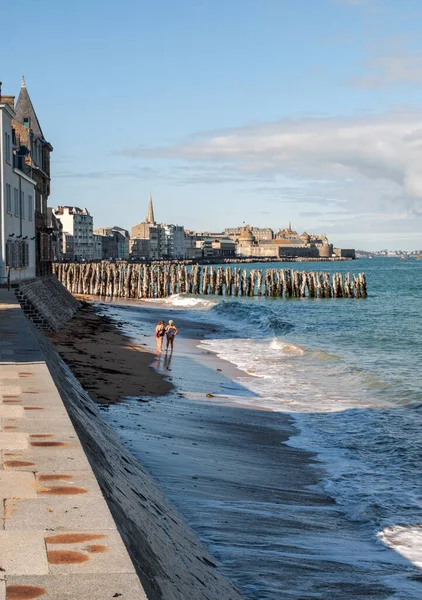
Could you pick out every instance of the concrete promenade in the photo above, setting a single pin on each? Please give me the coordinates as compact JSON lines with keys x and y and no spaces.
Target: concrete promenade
{"x":58,"y":540}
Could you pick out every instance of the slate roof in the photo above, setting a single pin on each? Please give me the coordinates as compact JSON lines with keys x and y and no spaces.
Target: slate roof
{"x":24,"y":108}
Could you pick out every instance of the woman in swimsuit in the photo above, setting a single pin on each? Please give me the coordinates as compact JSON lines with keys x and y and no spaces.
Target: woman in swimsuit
{"x":171,"y":332}
{"x":159,"y":333}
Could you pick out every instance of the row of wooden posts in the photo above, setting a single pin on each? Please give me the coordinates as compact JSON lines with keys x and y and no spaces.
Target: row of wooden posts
{"x":127,"y":280}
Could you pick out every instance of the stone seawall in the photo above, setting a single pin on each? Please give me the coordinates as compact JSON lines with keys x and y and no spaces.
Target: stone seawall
{"x":46,"y":302}
{"x":170,"y":560}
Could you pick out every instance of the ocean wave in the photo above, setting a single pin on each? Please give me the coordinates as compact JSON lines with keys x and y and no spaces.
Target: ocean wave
{"x":184,"y":301}
{"x":257,"y":314}
{"x":286,"y":347}
{"x":406,"y":540}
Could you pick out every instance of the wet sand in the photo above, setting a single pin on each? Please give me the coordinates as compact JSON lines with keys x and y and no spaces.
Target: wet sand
{"x":108,"y":365}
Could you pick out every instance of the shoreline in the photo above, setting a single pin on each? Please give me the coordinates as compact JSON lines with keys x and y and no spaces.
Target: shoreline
{"x":107,"y":363}
{"x":255,"y":502}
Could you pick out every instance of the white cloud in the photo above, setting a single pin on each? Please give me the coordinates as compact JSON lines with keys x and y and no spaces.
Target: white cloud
{"x":346,"y":174}
{"x":401,"y":68}
{"x":385,"y":148}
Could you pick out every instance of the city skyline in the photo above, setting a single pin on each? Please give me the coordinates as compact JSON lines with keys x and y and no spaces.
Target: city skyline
{"x":264,"y":111}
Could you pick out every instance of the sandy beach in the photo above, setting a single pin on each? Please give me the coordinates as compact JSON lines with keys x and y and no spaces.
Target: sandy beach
{"x":108,"y":365}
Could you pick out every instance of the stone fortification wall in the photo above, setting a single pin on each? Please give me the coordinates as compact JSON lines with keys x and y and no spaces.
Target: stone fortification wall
{"x":170,"y":560}
{"x":46,"y":302}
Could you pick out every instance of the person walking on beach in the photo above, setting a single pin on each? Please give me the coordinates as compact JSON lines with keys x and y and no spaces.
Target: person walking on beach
{"x":171,"y":332}
{"x":159,"y":333}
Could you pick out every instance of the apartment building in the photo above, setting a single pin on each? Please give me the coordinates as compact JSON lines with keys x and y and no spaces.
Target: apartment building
{"x":17,"y":214}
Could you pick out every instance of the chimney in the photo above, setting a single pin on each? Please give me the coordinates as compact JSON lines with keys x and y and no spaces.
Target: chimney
{"x":10,"y":100}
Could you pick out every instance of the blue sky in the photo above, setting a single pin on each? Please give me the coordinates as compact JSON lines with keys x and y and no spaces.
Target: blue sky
{"x":263,"y":111}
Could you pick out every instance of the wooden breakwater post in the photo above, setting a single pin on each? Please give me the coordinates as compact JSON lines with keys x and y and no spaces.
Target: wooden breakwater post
{"x":159,"y":280}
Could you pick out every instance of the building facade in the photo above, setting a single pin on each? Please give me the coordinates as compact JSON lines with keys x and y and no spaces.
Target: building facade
{"x":79,"y":223}
{"x":68,"y":246}
{"x":260,"y":233}
{"x":122,"y":237}
{"x":286,"y":244}
{"x":224,"y":247}
{"x":172,"y":241}
{"x":148,"y":230}
{"x":139,"y":248}
{"x":55,"y":228}
{"x":17,"y":214}
{"x":115,"y":243}
{"x":33,"y":157}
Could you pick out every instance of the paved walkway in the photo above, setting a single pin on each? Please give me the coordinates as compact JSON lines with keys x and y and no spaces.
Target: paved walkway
{"x":58,"y":540}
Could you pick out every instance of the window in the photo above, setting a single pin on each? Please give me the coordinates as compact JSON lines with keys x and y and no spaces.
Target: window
{"x":26,"y":121}
{"x":8,"y":198}
{"x":17,"y":254}
{"x":16,"y":201}
{"x":7,"y":148}
{"x":30,"y":208}
{"x":22,"y":206}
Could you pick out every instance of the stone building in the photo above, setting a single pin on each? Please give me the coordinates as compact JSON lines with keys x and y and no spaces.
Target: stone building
{"x":79,"y":223}
{"x":224,"y":247}
{"x":122,"y":238}
{"x":33,"y":158}
{"x":139,"y":248}
{"x":97,"y":246}
{"x":115,"y":243}
{"x":286,"y":244}
{"x":345,"y":253}
{"x":151,"y":240}
{"x":208,"y":245}
{"x":17,"y":193}
{"x":55,"y":228}
{"x":68,"y":246}
{"x":147,"y":230}
{"x":259,"y":233}
{"x":192,"y":251}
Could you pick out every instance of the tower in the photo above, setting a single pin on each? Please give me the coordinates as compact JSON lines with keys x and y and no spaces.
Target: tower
{"x":150,"y":216}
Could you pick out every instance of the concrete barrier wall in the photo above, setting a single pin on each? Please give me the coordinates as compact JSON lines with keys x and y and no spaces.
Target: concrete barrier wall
{"x":46,"y":302}
{"x":170,"y":560}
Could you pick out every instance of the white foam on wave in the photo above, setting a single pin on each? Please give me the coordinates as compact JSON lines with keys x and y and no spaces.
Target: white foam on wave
{"x":286,"y":376}
{"x":406,"y":540}
{"x":183,"y":301}
{"x":287,"y":348}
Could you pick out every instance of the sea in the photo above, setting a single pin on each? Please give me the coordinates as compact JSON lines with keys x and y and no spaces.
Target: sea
{"x":349,"y":374}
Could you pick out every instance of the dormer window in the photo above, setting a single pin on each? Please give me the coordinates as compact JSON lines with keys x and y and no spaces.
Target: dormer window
{"x":26,"y":121}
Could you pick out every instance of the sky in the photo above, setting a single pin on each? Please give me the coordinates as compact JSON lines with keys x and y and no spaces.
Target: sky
{"x":262,"y":112}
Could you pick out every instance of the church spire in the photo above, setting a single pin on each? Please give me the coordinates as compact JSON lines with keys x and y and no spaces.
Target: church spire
{"x":150,"y":216}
